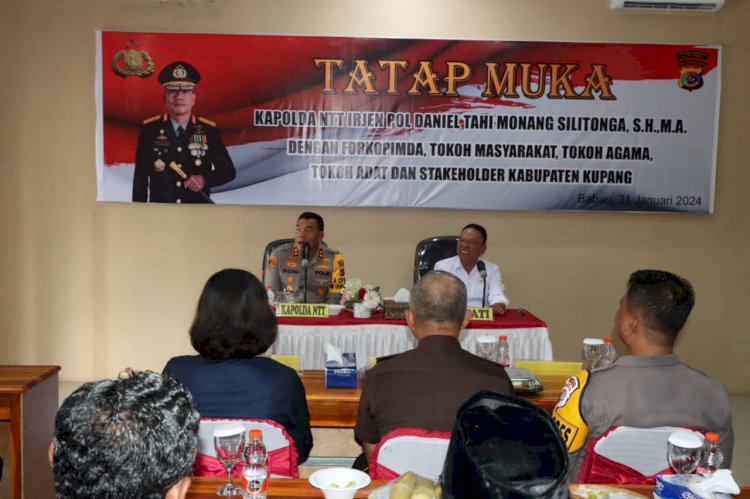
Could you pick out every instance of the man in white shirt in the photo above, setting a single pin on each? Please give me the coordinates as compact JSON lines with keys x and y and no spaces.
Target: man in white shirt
{"x":484,"y":286}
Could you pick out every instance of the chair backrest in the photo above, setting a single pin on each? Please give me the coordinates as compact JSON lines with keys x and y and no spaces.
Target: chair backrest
{"x":409,"y":449}
{"x":628,"y":455}
{"x":429,"y":251}
{"x":269,"y":249}
{"x":282,"y":454}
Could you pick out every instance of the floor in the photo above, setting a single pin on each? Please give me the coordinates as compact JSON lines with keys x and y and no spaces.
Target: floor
{"x":340,"y":443}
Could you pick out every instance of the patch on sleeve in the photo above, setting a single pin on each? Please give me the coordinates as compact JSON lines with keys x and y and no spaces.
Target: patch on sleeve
{"x":567,"y":412}
{"x":338,"y":278}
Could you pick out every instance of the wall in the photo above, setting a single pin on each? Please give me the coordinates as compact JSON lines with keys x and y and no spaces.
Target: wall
{"x":96,"y":287}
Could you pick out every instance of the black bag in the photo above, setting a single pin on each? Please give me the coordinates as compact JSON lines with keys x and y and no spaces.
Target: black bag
{"x":504,"y":447}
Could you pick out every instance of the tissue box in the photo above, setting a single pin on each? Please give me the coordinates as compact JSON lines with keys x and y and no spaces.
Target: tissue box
{"x":342,"y":375}
{"x":679,"y":487}
{"x":395,"y":310}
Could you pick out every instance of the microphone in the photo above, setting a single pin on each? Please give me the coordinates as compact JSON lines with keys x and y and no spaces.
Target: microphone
{"x":304,"y":264}
{"x":482,"y":269}
{"x":305,"y":255}
{"x":483,"y":274}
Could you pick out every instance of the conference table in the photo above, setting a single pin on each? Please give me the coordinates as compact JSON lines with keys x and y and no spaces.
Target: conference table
{"x":28,"y":400}
{"x":377,"y":336}
{"x":300,"y":488}
{"x":337,"y":407}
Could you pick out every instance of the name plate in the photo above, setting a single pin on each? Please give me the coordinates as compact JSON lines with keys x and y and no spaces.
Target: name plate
{"x":482,"y":313}
{"x":302,"y":309}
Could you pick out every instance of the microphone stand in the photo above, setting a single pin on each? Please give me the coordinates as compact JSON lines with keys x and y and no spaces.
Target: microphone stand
{"x":483,"y":274}
{"x":305,"y":264}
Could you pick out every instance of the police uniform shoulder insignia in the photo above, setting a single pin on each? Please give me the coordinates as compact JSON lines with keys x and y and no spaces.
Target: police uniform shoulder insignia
{"x":151,"y":119}
{"x":567,"y":413}
{"x":207,"y":122}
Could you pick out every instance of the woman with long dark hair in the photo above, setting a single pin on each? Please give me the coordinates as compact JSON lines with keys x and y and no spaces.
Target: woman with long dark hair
{"x":233,"y":326}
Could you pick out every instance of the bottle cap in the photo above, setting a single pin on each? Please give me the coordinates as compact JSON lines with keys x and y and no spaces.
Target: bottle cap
{"x":593,"y":341}
{"x":712,"y":436}
{"x":256,"y":434}
{"x":608,"y":340}
{"x":503,"y":337}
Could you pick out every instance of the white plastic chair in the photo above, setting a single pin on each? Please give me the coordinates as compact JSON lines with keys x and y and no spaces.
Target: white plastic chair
{"x":410,"y":449}
{"x":279,"y":444}
{"x":643,"y":450}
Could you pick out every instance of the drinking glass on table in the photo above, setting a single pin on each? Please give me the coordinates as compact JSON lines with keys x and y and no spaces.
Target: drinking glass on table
{"x":684,"y":451}
{"x":593,"y":348}
{"x":229,"y":442}
{"x":487,"y":347}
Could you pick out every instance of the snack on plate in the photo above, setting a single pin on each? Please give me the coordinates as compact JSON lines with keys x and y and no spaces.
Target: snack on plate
{"x":412,"y":486}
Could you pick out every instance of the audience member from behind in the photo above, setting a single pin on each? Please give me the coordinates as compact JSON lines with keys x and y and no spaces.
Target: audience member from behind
{"x":134,"y":437}
{"x":467,"y":266}
{"x":233,"y":325}
{"x":650,"y":386}
{"x":424,"y":387}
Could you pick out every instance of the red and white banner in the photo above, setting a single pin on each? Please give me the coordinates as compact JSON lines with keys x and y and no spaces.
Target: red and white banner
{"x":508,"y":125}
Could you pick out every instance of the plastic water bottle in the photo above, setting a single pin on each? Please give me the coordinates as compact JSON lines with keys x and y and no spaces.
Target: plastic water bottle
{"x":711,"y":455}
{"x":609,"y":353}
{"x":503,"y":351}
{"x":255,"y":471}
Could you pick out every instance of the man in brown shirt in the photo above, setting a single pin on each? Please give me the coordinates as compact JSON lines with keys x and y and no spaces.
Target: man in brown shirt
{"x":424,"y":387}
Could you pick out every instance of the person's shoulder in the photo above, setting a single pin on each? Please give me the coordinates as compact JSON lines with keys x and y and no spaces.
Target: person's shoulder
{"x":700,"y":376}
{"x":279,"y":370}
{"x":329,"y":251}
{"x":153,"y":119}
{"x":283,"y":249}
{"x":207,"y":122}
{"x":176,"y":364}
{"x":445,"y":263}
{"x":389,"y":362}
{"x":490,"y":265}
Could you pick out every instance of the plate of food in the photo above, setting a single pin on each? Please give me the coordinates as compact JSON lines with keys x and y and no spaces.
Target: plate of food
{"x":593,"y":491}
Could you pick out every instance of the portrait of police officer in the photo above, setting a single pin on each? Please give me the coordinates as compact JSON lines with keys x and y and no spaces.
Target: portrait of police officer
{"x":180,"y":157}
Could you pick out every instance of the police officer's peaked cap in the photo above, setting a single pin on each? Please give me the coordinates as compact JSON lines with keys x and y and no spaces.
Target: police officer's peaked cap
{"x":179,"y":75}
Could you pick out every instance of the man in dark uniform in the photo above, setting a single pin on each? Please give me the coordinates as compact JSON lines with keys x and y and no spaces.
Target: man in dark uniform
{"x":424,"y":387}
{"x":308,"y":257}
{"x":180,"y":157}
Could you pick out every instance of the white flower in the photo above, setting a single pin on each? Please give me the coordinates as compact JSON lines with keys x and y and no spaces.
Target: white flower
{"x":371,"y":300}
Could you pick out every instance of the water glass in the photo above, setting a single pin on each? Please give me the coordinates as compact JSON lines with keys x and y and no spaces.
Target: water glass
{"x":684,"y":451}
{"x":487,"y":347}
{"x":593,"y":349}
{"x":229,"y":442}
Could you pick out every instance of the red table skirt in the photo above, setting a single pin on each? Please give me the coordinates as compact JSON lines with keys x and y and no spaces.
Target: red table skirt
{"x":512,"y":318}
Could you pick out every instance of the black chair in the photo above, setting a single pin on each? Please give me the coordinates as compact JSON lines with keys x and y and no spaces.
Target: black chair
{"x":430,"y":251}
{"x":269,"y":249}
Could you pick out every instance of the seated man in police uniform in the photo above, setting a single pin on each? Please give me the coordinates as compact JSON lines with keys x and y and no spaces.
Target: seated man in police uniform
{"x":180,"y":157}
{"x":649,"y":387}
{"x":309,"y":269}
{"x":484,"y":285}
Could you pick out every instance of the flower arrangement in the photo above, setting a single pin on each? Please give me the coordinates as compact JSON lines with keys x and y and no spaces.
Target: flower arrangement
{"x":355,"y":292}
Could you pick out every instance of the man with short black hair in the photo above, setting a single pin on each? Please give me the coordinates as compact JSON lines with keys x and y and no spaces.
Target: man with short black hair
{"x":424,"y":387}
{"x":484,"y":286}
{"x":307,"y":268}
{"x":649,"y":387}
{"x":134,"y":437}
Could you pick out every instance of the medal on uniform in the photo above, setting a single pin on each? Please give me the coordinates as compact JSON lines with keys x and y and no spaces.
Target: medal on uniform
{"x":159,"y":165}
{"x":198,"y":144}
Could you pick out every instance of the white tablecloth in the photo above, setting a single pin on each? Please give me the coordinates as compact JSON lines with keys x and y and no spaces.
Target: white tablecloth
{"x":377,"y":340}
